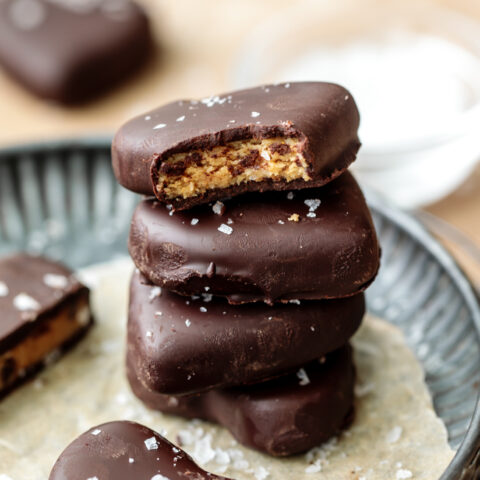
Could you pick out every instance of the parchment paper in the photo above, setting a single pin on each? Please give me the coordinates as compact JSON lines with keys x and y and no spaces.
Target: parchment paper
{"x":395,"y":435}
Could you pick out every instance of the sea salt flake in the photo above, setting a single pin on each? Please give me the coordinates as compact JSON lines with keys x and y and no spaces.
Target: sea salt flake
{"x":255,"y":114}
{"x":218,"y":207}
{"x":266,"y":155}
{"x":149,"y":334}
{"x":394,"y":434}
{"x":225,"y":229}
{"x":315,"y":467}
{"x":3,"y":289}
{"x":155,"y":292}
{"x":55,"y":281}
{"x":290,"y":195}
{"x":92,"y":478}
{"x":403,"y":474}
{"x":287,"y":85}
{"x":213,"y":100}
{"x":203,"y":451}
{"x":194,"y":221}
{"x":281,"y":222}
{"x":311,"y":214}
{"x":25,"y":302}
{"x":203,"y":309}
{"x":96,"y":431}
{"x":188,"y":322}
{"x":159,"y":125}
{"x":296,"y":301}
{"x":303,"y":377}
{"x":221,"y":457}
{"x":261,"y":473}
{"x":181,"y":119}
{"x":159,"y":476}
{"x":207,"y":297}
{"x":131,"y":460}
{"x":185,"y":437}
{"x":148,"y":117}
{"x":151,"y":443}
{"x":312,"y":204}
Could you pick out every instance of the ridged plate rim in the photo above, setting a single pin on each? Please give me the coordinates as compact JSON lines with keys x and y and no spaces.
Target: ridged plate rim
{"x":468,"y":453}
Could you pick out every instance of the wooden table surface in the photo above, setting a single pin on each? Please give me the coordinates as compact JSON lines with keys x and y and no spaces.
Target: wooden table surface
{"x":200,"y":43}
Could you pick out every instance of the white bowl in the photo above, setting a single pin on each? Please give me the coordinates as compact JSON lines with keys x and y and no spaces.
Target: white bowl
{"x":414,"y":70}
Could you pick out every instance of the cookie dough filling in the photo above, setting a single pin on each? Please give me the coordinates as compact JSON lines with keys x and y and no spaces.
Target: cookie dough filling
{"x":191,"y":174}
{"x":45,"y":341}
{"x":44,"y":309}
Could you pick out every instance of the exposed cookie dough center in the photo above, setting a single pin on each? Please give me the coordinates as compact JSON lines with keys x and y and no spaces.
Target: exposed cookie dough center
{"x":193,"y":173}
{"x":51,"y":335}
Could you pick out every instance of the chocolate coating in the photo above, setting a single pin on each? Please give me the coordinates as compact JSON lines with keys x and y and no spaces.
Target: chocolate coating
{"x":331,"y":253}
{"x":280,"y":417}
{"x":24,"y":275}
{"x":323,"y":116}
{"x":44,"y":311}
{"x":182,"y":346}
{"x":72,"y":51}
{"x":125,"y":451}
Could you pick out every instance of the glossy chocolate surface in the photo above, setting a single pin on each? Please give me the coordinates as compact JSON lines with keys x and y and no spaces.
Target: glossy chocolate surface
{"x":71,"y":51}
{"x":322,"y":116}
{"x":255,"y":250}
{"x":30,"y":288}
{"x":125,"y":451}
{"x":181,"y":345}
{"x":281,"y":417}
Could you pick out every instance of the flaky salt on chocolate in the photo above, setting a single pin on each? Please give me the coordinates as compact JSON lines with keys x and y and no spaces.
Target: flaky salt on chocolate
{"x":125,"y":451}
{"x":265,"y":247}
{"x":200,"y":343}
{"x":43,"y":309}
{"x":280,"y":417}
{"x":276,"y":137}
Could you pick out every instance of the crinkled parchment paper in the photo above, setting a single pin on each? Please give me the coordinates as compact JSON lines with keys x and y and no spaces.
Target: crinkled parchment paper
{"x":396,"y":434}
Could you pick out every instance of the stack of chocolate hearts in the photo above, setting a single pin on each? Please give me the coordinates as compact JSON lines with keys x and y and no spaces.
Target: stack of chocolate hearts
{"x":252,"y":252}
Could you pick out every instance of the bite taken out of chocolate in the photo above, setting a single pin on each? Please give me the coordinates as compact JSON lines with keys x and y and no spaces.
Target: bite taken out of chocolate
{"x":309,"y":244}
{"x":281,"y":417}
{"x":182,"y":345}
{"x":274,"y":137}
{"x":124,"y":450}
